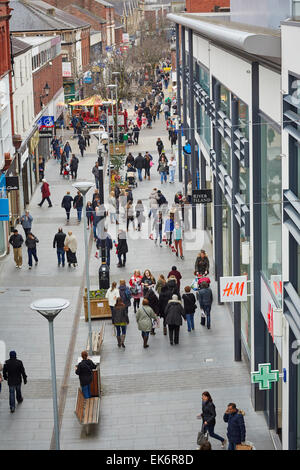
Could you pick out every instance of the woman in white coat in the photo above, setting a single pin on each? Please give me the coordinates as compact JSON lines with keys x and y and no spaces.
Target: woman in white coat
{"x":112,"y":294}
{"x":71,"y":248}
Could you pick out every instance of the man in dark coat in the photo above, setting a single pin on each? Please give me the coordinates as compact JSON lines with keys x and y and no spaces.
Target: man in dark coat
{"x":81,"y":144}
{"x":74,"y":166}
{"x":13,"y":371}
{"x":205,"y":298}
{"x":16,"y":241}
{"x":84,"y":370}
{"x":122,"y":248}
{"x":59,"y":243}
{"x":139,"y":165}
{"x":174,"y":314}
{"x":66,"y":203}
{"x":236,"y":430}
{"x":105,"y":245}
{"x":164,"y":297}
{"x":160,"y":145}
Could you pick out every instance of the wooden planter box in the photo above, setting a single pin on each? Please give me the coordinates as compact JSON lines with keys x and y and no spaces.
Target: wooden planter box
{"x":99,"y":308}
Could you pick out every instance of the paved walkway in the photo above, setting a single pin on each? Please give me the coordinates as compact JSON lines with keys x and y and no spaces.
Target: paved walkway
{"x":150,"y":397}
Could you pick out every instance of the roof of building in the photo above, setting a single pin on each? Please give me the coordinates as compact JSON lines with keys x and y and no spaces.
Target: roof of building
{"x":19,"y":47}
{"x":37,"y":40}
{"x":36,"y":15}
{"x":219,"y":27}
{"x":103,"y":2}
{"x":89,"y":14}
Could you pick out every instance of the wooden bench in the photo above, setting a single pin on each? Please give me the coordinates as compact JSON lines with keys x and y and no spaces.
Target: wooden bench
{"x":87,"y":410}
{"x":97,"y":340}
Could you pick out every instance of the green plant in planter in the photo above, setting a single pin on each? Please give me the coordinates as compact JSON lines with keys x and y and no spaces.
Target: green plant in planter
{"x":98,"y":294}
{"x":117,"y":161}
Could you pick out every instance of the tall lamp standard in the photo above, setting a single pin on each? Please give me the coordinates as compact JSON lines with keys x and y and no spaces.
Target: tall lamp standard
{"x":84,"y":187}
{"x":106,"y":104}
{"x":50,"y":308}
{"x":112,"y":87}
{"x":116,"y":74}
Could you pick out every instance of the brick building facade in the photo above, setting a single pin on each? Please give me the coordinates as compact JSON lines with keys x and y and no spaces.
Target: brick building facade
{"x":203,"y":6}
{"x":50,"y":74}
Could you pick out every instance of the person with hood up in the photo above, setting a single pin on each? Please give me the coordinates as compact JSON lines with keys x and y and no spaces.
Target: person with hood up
{"x":13,"y":372}
{"x":236,"y":430}
{"x":174,"y":313}
{"x":144,"y":317}
{"x":164,"y":297}
{"x":45,"y":193}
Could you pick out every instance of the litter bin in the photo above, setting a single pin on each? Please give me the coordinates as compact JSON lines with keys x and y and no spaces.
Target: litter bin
{"x":104,"y":276}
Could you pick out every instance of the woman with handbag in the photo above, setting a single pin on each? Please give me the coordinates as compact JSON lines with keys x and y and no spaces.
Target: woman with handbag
{"x":112,"y":294}
{"x":70,"y":247}
{"x":208,"y":416}
{"x":120,"y":320}
{"x":136,"y":289}
{"x":189,"y":304}
{"x":144,"y":318}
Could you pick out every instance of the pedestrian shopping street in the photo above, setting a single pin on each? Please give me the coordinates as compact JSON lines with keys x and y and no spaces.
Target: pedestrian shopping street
{"x":150,"y":396}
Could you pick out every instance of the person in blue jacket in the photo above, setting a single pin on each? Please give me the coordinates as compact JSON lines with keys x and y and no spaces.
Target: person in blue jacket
{"x":169,"y":228}
{"x":236,"y":430}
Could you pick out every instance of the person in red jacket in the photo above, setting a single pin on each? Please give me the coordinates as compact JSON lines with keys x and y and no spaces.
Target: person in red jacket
{"x":45,"y":193}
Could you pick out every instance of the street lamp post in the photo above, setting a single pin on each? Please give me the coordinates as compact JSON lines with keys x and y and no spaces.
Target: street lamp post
{"x":84,"y":187}
{"x":116,"y":74}
{"x":106,"y":105}
{"x":50,"y":308}
{"x":112,"y":87}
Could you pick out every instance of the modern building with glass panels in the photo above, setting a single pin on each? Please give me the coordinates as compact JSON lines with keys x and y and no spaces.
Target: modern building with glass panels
{"x":239,"y":90}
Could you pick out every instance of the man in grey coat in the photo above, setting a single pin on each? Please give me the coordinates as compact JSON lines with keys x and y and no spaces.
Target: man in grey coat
{"x":26,"y":222}
{"x":96,"y":173}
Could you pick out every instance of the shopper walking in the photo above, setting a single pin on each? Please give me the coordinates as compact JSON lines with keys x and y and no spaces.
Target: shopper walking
{"x":112,"y":207}
{"x":67,"y":150}
{"x":89,"y":213}
{"x":66,"y":204}
{"x":139,"y":165}
{"x":120,"y":321}
{"x":236,"y":430}
{"x":81,"y":145}
{"x":31,"y":242}
{"x":208,"y":416}
{"x":172,"y":169}
{"x":164,"y":297}
{"x":130,"y":215}
{"x":136,"y":134}
{"x":136,"y":289}
{"x":125,"y":293}
{"x":78,"y":205}
{"x":159,"y":145}
{"x":45,"y":193}
{"x":26,"y":222}
{"x":84,"y":371}
{"x":202,"y":263}
{"x":122,"y":248}
{"x":169,"y":228}
{"x":160,"y":283}
{"x":163,"y":170}
{"x":96,"y":173}
{"x":174,"y":313}
{"x":59,"y":243}
{"x":148,"y":281}
{"x":111,"y":295}
{"x":74,"y":166}
{"x":14,"y":372}
{"x":157,"y":226}
{"x":190,"y":306}
{"x":16,"y":241}
{"x":70,"y":246}
{"x":139,"y":213}
{"x":144,"y":317}
{"x":178,"y":240}
{"x":147,"y":164}
{"x":86,"y":135}
{"x":205,"y":298}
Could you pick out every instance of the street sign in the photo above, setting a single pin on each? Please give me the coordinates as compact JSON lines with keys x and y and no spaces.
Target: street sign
{"x":12,"y":183}
{"x":46,"y":121}
{"x":265,"y":376}
{"x":201,"y":196}
{"x":233,"y":289}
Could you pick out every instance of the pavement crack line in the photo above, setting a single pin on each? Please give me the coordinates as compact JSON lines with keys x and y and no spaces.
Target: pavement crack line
{"x":67,"y":370}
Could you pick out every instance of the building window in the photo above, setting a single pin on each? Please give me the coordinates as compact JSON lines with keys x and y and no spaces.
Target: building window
{"x":271,"y":217}
{"x":226,"y":155}
{"x":243,"y":113}
{"x":296,"y":9}
{"x":225,"y":100}
{"x":226,"y":238}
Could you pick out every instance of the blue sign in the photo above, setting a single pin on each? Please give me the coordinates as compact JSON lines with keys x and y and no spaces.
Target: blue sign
{"x":187,"y":148}
{"x":2,"y":185}
{"x":102,"y":65}
{"x":4,"y":209}
{"x":46,"y":121}
{"x":108,"y":48}
{"x":87,"y":77}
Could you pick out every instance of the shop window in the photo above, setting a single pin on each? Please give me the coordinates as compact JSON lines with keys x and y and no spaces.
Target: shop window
{"x":271,"y":217}
{"x":226,"y":155}
{"x":245,"y":306}
{"x":225,"y":100}
{"x":226,"y":238}
{"x":243,"y":113}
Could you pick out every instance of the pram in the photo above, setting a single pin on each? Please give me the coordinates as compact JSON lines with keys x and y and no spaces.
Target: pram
{"x":131,"y":178}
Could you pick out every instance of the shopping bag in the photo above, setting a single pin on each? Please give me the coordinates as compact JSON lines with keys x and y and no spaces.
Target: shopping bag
{"x":194,"y":284}
{"x":246,"y":446}
{"x":203,"y":318}
{"x":164,"y":238}
{"x":151,"y":236}
{"x":202,"y":437}
{"x":156,"y":323}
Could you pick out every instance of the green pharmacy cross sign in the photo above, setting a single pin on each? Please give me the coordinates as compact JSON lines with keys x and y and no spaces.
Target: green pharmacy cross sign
{"x":265,"y":376}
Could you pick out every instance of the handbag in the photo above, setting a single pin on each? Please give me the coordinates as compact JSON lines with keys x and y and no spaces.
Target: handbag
{"x":156,"y":323}
{"x":246,"y":446}
{"x":66,"y":248}
{"x":202,"y":437}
